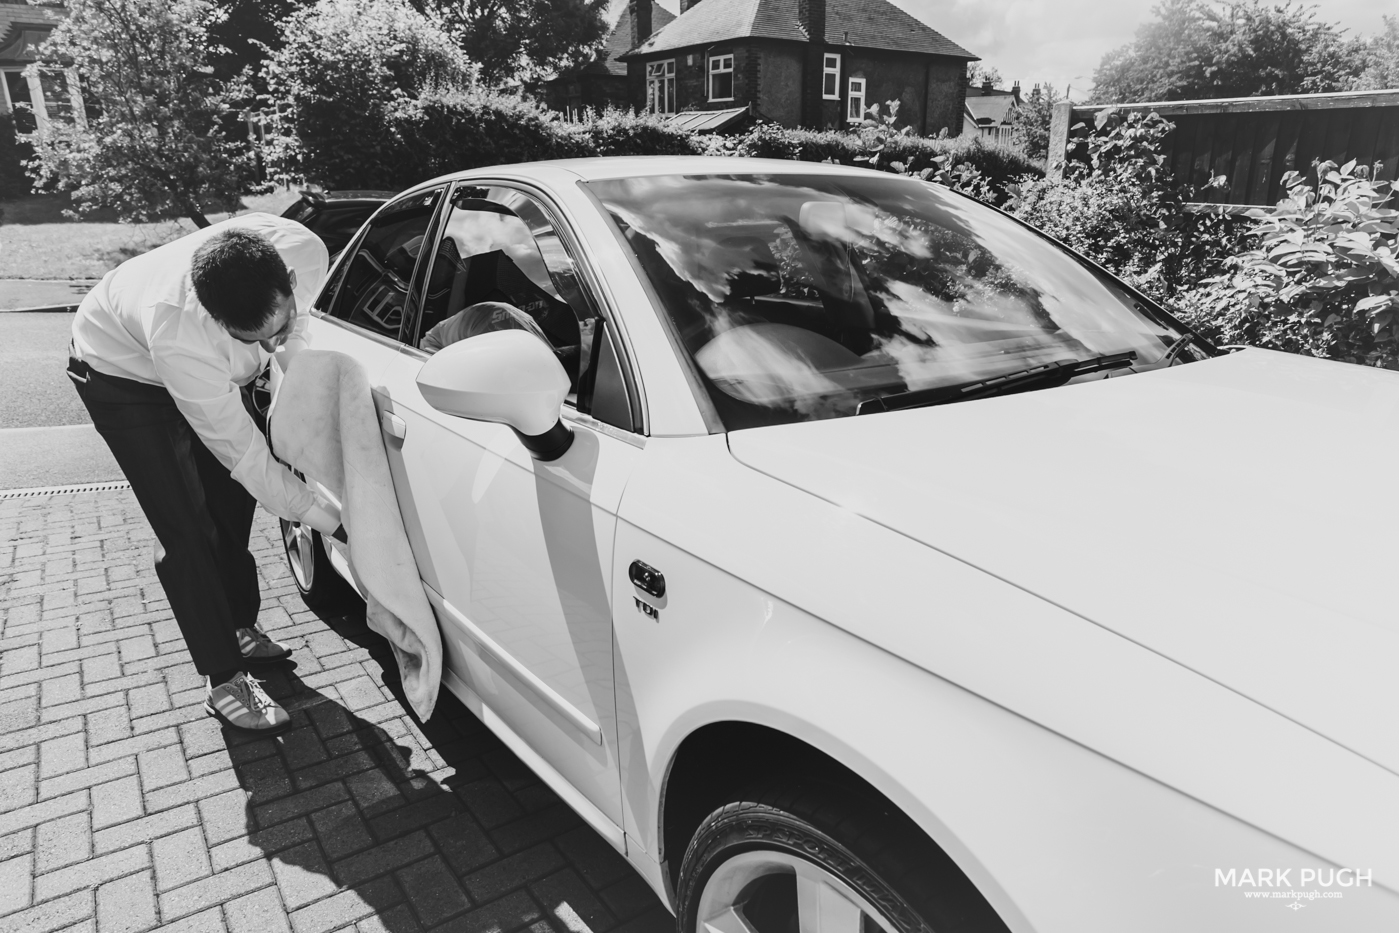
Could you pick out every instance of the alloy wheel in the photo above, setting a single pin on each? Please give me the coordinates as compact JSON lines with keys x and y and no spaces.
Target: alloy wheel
{"x":300,"y":543}
{"x":764,"y":891}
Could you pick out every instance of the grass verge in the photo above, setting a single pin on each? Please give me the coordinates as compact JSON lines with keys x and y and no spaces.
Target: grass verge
{"x":38,"y":242}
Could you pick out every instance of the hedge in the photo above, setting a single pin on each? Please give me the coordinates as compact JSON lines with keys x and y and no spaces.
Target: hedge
{"x":450,"y":129}
{"x":1001,"y":165}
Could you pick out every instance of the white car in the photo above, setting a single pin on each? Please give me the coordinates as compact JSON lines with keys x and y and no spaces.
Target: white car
{"x":851,"y":556}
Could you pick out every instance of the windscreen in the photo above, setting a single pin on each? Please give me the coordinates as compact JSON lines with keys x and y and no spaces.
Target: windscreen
{"x":798,"y":297}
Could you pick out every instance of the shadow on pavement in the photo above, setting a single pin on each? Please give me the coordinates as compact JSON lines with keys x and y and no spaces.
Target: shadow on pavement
{"x":369,"y":816}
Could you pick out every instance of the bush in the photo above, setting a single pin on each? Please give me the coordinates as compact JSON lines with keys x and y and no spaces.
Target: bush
{"x":448,"y":130}
{"x":617,"y":132}
{"x":1324,"y":279}
{"x":13,"y":154}
{"x":1000,"y":165}
{"x":1118,"y":204}
{"x":343,"y":83}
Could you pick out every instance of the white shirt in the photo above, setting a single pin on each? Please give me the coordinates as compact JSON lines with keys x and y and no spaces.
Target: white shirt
{"x":143,"y":322}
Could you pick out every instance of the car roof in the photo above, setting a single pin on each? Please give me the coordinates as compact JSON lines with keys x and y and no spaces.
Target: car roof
{"x":600,"y":168}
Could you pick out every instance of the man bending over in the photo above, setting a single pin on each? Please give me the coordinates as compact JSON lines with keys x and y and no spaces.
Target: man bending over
{"x":164,"y":352}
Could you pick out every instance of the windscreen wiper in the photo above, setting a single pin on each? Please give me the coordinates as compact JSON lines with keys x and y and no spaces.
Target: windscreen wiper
{"x":1037,"y":377}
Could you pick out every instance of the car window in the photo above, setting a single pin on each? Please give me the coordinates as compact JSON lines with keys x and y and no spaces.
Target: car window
{"x":501,"y":265}
{"x":336,"y":226}
{"x":800,"y":297}
{"x":375,"y":281}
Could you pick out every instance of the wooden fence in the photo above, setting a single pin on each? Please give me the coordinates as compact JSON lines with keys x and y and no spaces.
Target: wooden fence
{"x":1254,"y":141}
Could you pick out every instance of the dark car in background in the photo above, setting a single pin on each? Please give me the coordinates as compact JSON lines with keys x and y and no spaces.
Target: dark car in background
{"x":335,"y":216}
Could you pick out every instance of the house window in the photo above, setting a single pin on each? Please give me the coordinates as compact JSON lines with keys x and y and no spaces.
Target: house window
{"x":830,"y":77}
{"x":48,"y":95}
{"x":855,"y":106}
{"x":660,"y":86}
{"x":721,"y":77}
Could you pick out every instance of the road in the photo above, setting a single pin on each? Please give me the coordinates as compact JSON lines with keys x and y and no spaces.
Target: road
{"x":46,"y":436}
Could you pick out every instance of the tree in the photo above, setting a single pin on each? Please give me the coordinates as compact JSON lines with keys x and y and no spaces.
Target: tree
{"x":1379,"y":56}
{"x":344,"y":74}
{"x":516,"y":40}
{"x":153,"y":145}
{"x":1029,"y":123}
{"x":246,"y":33}
{"x":1226,"y":48}
{"x":980,"y":72}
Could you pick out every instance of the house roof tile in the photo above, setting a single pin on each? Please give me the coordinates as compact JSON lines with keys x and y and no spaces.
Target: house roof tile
{"x":17,"y":15}
{"x":619,"y":41}
{"x":876,"y":24}
{"x":994,"y":109}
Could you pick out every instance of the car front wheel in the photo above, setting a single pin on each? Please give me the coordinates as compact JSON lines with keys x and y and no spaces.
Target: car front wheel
{"x":817,"y":860}
{"x":322,"y":588}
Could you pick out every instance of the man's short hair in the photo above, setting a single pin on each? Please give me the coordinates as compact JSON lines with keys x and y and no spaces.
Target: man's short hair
{"x":239,"y":276}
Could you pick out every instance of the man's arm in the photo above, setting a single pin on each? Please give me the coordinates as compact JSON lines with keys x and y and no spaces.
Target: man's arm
{"x":197,"y":377}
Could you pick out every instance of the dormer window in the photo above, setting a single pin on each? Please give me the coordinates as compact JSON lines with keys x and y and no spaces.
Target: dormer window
{"x":721,"y":77}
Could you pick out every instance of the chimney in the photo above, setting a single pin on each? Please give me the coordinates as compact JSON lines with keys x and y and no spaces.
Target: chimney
{"x":640,"y":11}
{"x":811,"y":15}
{"x":986,"y":85}
{"x":1015,"y":92}
{"x":686,"y":4}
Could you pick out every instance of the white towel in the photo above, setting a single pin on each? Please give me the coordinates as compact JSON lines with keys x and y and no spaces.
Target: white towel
{"x":323,"y":423}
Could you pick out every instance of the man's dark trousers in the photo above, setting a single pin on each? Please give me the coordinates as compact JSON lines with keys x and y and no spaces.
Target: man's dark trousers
{"x":201,"y":515}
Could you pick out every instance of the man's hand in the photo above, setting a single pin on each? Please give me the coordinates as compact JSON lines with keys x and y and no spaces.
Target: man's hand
{"x":340,"y":535}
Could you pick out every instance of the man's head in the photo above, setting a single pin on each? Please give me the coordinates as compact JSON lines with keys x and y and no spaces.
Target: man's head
{"x":243,"y":283}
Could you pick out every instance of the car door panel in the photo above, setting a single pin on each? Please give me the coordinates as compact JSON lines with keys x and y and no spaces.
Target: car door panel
{"x":521,"y":556}
{"x":516,"y":553}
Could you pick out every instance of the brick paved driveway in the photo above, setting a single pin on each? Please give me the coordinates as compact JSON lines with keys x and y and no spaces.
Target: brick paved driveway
{"x":123,"y":808}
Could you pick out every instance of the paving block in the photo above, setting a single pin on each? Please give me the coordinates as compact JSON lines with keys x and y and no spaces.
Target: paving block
{"x":62,"y":754}
{"x":116,"y":802}
{"x":302,"y":875}
{"x":16,"y":881}
{"x":20,"y":785}
{"x":345,"y":908}
{"x":126,"y":905}
{"x":433,"y":891}
{"x":43,"y":811}
{"x":108,"y":725}
{"x":564,"y":895}
{"x":87,"y":777}
{"x":145,"y":829}
{"x":161,"y":767}
{"x":225,"y":816}
{"x":259,"y":912}
{"x":53,"y":915}
{"x":64,"y":841}
{"x":509,"y":913}
{"x":214,"y":890}
{"x":180,"y":857}
{"x":341,"y":830}
{"x":91,"y":873}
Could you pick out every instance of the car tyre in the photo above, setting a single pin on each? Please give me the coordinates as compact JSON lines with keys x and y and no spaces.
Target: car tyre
{"x":320,"y":584}
{"x":764,"y":862}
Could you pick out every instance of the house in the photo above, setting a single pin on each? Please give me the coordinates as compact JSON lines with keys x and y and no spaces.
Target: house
{"x":989,"y":111}
{"x":808,"y":63}
{"x":602,"y":82}
{"x":49,"y":96}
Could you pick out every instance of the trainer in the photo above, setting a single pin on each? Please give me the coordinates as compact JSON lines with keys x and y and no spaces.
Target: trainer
{"x":164,"y":352}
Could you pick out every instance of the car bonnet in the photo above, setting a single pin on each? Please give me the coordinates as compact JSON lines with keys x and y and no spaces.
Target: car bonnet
{"x":1234,"y":515}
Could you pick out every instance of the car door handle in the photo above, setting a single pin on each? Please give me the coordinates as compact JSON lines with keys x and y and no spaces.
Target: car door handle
{"x":394,"y":426}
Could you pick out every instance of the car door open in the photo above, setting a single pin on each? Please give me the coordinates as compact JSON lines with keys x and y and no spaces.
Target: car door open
{"x":517,"y":550}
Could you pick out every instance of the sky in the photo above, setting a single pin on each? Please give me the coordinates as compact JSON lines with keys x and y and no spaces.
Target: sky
{"x":1062,"y":41}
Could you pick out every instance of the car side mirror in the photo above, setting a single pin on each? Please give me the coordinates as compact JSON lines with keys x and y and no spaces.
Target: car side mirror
{"x":507,"y":377}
